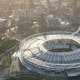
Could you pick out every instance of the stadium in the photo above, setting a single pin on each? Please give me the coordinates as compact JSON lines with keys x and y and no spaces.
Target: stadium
{"x":51,"y":53}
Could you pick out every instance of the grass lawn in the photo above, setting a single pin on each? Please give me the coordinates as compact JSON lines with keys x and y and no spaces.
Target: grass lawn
{"x":6,"y":58}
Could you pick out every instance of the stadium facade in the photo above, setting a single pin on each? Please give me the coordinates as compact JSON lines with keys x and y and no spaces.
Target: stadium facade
{"x":51,"y":53}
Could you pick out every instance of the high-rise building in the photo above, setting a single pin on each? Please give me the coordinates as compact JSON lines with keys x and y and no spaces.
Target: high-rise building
{"x":78,"y":4}
{"x":38,"y":10}
{"x":26,"y":1}
{"x":21,"y":14}
{"x":74,"y":4}
{"x":31,"y":4}
{"x":59,"y":3}
{"x":26,"y":4}
{"x":47,"y":3}
{"x":42,"y":18}
{"x":12,"y":1}
{"x":30,"y":14}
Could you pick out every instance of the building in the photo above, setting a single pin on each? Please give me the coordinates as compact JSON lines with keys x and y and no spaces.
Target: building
{"x":12,"y":1}
{"x":17,"y":1}
{"x":53,"y":53}
{"x":59,"y":2}
{"x":31,"y":4}
{"x":30,"y":14}
{"x":47,"y":4}
{"x":21,"y":14}
{"x":42,"y":19}
{"x":27,"y":4}
{"x":52,"y":22}
{"x":74,"y":4}
{"x":38,"y":10}
{"x":78,"y":4}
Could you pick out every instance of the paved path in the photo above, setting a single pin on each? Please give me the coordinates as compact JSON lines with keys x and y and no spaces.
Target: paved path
{"x":76,"y":31}
{"x":13,"y":66}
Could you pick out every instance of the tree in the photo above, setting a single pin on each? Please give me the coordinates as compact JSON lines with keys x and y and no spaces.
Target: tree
{"x":12,"y":77}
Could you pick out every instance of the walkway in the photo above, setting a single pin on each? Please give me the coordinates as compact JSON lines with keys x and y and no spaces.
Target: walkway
{"x":76,"y":32}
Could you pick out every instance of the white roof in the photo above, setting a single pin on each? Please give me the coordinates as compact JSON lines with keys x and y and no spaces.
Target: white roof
{"x":2,"y":20}
{"x":50,"y":16}
{"x":65,"y":23}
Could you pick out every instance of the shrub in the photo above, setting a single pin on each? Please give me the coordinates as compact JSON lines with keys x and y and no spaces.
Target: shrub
{"x":12,"y":77}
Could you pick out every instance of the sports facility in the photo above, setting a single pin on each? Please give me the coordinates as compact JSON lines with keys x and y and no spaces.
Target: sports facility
{"x":51,"y":52}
